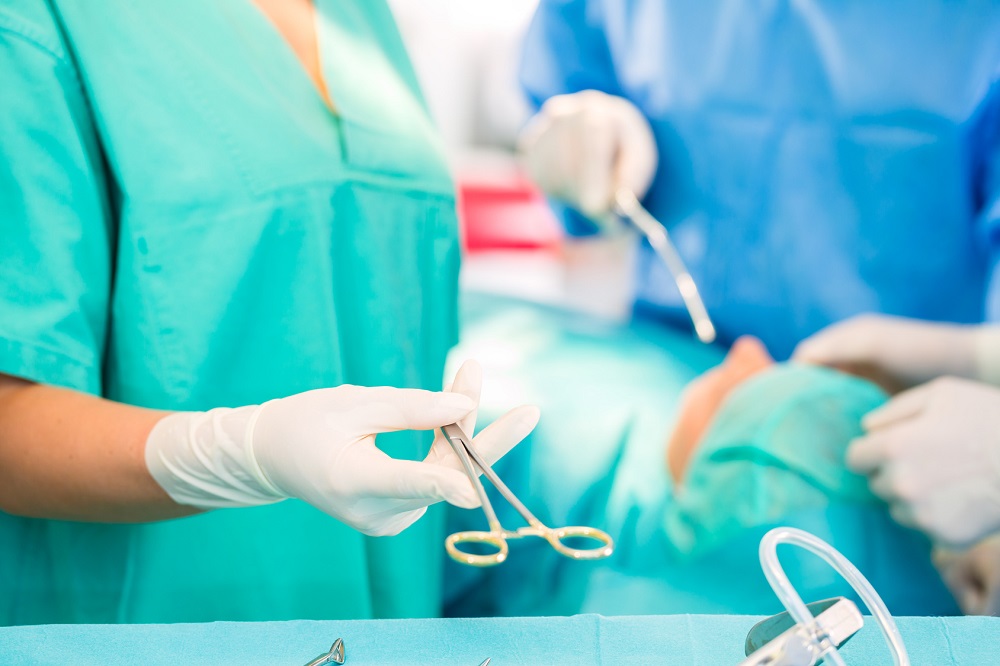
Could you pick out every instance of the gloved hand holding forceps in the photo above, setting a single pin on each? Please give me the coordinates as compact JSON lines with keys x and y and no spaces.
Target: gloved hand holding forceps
{"x":318,"y":446}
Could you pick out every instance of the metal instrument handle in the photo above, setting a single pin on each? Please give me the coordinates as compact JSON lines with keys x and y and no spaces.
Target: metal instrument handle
{"x":604,"y":547}
{"x":335,"y":655}
{"x":495,"y":539}
{"x":497,"y":536}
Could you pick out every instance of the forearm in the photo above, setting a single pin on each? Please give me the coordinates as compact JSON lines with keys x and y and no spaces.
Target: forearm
{"x":71,"y":456}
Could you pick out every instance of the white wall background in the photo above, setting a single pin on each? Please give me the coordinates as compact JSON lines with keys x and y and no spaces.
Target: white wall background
{"x":466,"y":53}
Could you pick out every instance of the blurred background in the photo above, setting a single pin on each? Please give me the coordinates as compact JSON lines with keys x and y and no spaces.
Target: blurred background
{"x":467,"y":54}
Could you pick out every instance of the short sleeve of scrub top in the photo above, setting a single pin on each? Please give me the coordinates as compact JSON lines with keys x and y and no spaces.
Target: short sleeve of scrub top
{"x":56,"y":239}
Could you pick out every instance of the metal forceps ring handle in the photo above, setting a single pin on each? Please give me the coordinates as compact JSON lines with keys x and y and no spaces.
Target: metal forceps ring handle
{"x":495,"y":539}
{"x":497,"y":536}
{"x":556,"y":535}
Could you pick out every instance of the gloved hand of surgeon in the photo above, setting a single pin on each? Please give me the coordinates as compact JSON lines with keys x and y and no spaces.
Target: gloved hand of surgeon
{"x":933,"y":453}
{"x":581,"y":148}
{"x":905,"y":351}
{"x":973,"y":576}
{"x":319,"y":446}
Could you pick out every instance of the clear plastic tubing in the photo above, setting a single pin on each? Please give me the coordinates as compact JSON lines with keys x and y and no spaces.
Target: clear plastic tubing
{"x":791,"y":600}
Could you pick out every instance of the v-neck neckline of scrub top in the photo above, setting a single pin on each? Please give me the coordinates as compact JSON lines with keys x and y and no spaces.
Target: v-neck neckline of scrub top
{"x":381,"y":126}
{"x":320,"y":86}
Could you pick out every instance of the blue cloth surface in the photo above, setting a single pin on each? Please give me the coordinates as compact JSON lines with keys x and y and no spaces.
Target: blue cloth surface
{"x":583,"y":639}
{"x":817,"y":159}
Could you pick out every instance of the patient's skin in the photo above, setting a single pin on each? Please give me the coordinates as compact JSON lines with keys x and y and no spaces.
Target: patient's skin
{"x":703,"y":396}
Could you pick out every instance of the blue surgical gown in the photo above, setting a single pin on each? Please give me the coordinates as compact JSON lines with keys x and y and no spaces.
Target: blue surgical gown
{"x":818,"y":159}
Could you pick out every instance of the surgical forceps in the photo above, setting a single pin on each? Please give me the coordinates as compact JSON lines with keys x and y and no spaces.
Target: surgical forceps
{"x":497,"y":536}
{"x":627,"y":206}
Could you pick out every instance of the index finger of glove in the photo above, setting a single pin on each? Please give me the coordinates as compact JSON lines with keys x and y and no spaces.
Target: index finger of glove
{"x":468,"y":382}
{"x":386,"y":409}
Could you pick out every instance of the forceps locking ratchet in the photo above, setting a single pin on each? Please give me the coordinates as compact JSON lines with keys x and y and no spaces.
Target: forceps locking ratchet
{"x":497,"y":536}
{"x":628,"y":207}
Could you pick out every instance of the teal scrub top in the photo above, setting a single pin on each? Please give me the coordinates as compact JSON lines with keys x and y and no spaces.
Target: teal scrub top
{"x":185,"y":224}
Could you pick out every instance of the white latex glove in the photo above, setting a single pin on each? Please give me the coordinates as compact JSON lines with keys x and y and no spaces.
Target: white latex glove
{"x":319,"y":446}
{"x":908,"y":350}
{"x":973,"y":576}
{"x":933,"y":453}
{"x":580,"y":148}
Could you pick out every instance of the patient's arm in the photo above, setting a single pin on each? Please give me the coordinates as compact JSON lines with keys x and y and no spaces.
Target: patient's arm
{"x":702,"y":398}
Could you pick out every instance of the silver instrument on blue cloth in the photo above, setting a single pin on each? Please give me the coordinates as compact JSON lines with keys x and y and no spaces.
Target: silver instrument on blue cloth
{"x":497,"y":536}
{"x":335,"y":655}
{"x":627,"y":206}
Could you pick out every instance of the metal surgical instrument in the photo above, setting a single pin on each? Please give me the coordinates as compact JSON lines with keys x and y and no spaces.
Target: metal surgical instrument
{"x":627,"y":206}
{"x":497,"y":536}
{"x":334,"y":656}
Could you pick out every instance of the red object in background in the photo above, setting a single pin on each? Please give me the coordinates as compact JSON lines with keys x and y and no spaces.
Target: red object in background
{"x":505,"y":211}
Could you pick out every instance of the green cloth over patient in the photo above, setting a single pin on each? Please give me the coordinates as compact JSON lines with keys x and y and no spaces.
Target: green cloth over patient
{"x":609,"y":396}
{"x":775,"y":446}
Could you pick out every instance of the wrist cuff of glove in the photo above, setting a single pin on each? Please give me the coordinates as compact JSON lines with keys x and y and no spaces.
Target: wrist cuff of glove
{"x":253,"y":466}
{"x":202,"y":459}
{"x":986,"y":348}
